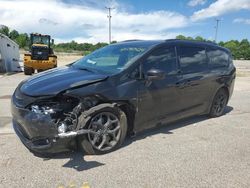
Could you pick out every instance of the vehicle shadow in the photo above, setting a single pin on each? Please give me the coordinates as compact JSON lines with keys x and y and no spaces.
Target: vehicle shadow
{"x":76,"y":159}
{"x":78,"y":163}
{"x":167,"y":128}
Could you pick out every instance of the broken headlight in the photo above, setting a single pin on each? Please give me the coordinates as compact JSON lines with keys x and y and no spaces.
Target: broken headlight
{"x":47,"y":108}
{"x":64,"y":110}
{"x":42,"y":109}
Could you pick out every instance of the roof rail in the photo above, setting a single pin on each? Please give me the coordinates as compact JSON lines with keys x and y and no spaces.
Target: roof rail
{"x":171,"y":39}
{"x":132,"y":40}
{"x":211,"y":42}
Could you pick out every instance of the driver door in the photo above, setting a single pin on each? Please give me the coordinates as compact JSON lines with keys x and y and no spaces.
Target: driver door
{"x":158,"y":99}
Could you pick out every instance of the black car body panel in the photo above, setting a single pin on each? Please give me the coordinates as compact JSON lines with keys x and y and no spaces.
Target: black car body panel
{"x":148,"y":102}
{"x":55,"y":81}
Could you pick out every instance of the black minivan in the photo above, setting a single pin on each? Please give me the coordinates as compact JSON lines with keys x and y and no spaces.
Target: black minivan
{"x":118,"y":90}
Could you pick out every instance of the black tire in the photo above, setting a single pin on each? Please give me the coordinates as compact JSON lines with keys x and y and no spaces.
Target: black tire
{"x":28,"y":70}
{"x":84,"y":142}
{"x":219,"y":103}
{"x":40,"y":70}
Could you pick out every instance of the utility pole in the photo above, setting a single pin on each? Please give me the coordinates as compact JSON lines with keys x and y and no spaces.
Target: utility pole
{"x":109,"y":17}
{"x":216,"y":29}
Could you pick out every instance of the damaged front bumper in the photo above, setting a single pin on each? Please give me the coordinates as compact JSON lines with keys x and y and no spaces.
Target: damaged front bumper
{"x":39,"y":129}
{"x":39,"y":133}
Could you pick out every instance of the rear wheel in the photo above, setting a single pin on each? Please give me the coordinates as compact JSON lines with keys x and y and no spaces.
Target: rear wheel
{"x":108,"y":130}
{"x":28,"y":70}
{"x":219,"y":103}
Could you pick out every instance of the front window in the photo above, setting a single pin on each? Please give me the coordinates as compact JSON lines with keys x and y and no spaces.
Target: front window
{"x":113,"y":58}
{"x":41,"y":40}
{"x":163,"y":59}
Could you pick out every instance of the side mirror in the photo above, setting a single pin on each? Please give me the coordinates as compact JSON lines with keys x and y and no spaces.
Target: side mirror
{"x":52,"y":41}
{"x":156,"y":74}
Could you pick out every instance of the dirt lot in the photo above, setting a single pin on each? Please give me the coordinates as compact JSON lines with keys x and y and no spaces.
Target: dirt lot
{"x":198,"y":152}
{"x":62,"y":58}
{"x":66,"y":59}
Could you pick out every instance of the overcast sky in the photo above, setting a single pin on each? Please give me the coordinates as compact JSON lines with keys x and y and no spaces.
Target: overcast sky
{"x":86,"y":20}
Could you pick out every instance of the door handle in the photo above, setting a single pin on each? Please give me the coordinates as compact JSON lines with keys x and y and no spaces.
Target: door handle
{"x":180,"y":84}
{"x":183,"y":84}
{"x":192,"y":83}
{"x":188,"y":82}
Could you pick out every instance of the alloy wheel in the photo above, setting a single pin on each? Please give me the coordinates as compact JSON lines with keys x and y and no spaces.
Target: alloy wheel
{"x":105,"y":131}
{"x":220,"y":103}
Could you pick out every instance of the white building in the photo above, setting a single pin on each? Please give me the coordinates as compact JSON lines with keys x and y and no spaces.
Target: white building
{"x":9,"y":55}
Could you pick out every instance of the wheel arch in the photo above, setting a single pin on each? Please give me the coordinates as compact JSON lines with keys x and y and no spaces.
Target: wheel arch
{"x":130,"y":111}
{"x":226,"y":89}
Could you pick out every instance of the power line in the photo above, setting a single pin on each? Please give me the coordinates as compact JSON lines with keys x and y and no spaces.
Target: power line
{"x":109,"y":17}
{"x":216,"y":29}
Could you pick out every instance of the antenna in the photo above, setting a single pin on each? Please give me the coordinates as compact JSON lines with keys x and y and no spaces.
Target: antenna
{"x":216,"y":29}
{"x":109,"y":17}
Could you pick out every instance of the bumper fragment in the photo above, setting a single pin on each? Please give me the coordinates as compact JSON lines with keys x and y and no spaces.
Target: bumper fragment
{"x":44,"y":145}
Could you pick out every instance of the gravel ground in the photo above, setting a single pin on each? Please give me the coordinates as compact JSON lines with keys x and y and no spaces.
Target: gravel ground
{"x":197,"y":152}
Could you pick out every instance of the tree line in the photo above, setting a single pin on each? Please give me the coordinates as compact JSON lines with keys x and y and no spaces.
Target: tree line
{"x":73,"y":46}
{"x":239,"y":49}
{"x":23,"y":40}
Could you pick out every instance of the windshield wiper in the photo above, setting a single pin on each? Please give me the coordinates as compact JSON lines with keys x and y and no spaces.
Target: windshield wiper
{"x":84,"y":68}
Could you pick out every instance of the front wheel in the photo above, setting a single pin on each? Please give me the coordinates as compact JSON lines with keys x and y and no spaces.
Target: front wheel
{"x":108,"y":130}
{"x":40,"y":70}
{"x":28,"y":70}
{"x":219,"y":103}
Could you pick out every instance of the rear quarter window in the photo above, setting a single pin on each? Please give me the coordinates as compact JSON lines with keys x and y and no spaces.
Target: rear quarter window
{"x":217,"y":58}
{"x":192,"y":59}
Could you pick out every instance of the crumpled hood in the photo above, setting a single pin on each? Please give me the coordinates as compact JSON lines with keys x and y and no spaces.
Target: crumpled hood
{"x":57,"y":80}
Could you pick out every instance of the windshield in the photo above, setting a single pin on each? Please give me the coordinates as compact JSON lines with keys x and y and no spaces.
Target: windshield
{"x":112,"y":58}
{"x":41,"y":40}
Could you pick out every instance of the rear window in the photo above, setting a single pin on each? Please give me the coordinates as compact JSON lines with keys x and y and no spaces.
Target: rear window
{"x":217,"y":58}
{"x":192,"y":59}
